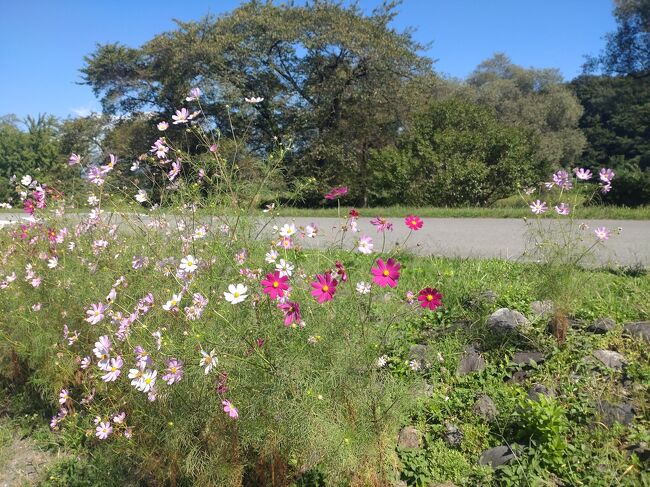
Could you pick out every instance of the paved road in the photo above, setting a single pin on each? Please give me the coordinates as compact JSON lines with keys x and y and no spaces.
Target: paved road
{"x":471,"y":237}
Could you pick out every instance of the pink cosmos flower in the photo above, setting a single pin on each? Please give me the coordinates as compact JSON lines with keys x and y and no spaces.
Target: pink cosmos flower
{"x":95,"y":175}
{"x":104,"y":429}
{"x":230,"y":409}
{"x":561,"y":178}
{"x":365,"y":245}
{"x":162,"y":126}
{"x":275,"y":285}
{"x":182,"y":116}
{"x":430,"y":298}
{"x":64,"y":396}
{"x":602,"y":233}
{"x":382,"y":224}
{"x":583,"y":174}
{"x":291,"y":312}
{"x":74,"y":159}
{"x":28,"y":206}
{"x":606,"y":175}
{"x":194,"y":94}
{"x":324,"y":287}
{"x":562,"y":209}
{"x":386,"y":274}
{"x":114,"y":371}
{"x":410,"y":297}
{"x":606,"y":188}
{"x":336,"y":193}
{"x":413,"y":222}
{"x":96,"y":313}
{"x":175,"y":170}
{"x":538,"y":207}
{"x":174,"y":371}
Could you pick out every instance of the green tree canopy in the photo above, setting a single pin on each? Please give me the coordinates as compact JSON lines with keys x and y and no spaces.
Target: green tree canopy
{"x":336,"y":81}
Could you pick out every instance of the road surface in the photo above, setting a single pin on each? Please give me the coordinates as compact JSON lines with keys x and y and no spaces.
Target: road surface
{"x":465,"y":237}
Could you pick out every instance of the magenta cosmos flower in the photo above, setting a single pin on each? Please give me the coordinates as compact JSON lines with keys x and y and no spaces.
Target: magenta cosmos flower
{"x":430,"y":298}
{"x":386,"y":274}
{"x":413,"y":222}
{"x":324,"y":287}
{"x":336,"y":193}
{"x":275,"y":285}
{"x":382,"y":224}
{"x":291,"y":312}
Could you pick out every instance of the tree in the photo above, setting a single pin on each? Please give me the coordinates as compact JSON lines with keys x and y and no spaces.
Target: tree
{"x":335,"y":81}
{"x":534,"y":99}
{"x":455,"y":154}
{"x":628,"y":49}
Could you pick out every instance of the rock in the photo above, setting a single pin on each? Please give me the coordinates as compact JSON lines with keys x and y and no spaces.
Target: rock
{"x":453,"y":436}
{"x":483,"y":298}
{"x":506,"y":320}
{"x":527,"y":358}
{"x":638,"y":329}
{"x":485,"y":408}
{"x":616,"y":413}
{"x":610,"y":359}
{"x":470,"y":362}
{"x":540,"y":390}
{"x":409,"y":437}
{"x":641,"y":450}
{"x":518,"y":377}
{"x":542,"y":308}
{"x":419,"y":354}
{"x":400,"y":483}
{"x":494,"y":457}
{"x":602,"y":326}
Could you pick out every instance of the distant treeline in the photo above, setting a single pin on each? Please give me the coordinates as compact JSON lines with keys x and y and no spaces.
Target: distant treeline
{"x":360,"y":105}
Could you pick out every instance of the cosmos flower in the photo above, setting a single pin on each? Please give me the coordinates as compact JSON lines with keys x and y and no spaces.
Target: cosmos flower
{"x":324,"y":287}
{"x":386,"y":273}
{"x":538,"y":207}
{"x":275,"y":285}
{"x":182,"y":116}
{"x":413,"y":222}
{"x":291,"y":312}
{"x":583,"y":174}
{"x":236,"y":293}
{"x":602,"y":233}
{"x":365,"y":245}
{"x":230,"y":409}
{"x":430,"y":298}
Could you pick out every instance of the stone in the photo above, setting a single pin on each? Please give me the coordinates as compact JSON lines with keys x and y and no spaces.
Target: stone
{"x":638,"y":329}
{"x":540,"y":390}
{"x":400,"y":483}
{"x":641,"y":450}
{"x":471,"y":361}
{"x":616,"y":413}
{"x":453,"y":435}
{"x":602,"y":326}
{"x":542,"y":308}
{"x":506,"y":320}
{"x":482,"y":298}
{"x":485,"y":408}
{"x":497,"y":456}
{"x":610,"y":359}
{"x":419,"y":354}
{"x":527,"y":358}
{"x":409,"y":437}
{"x":518,"y":377}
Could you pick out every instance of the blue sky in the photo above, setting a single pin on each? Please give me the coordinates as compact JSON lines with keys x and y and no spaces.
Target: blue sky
{"x":43,"y":42}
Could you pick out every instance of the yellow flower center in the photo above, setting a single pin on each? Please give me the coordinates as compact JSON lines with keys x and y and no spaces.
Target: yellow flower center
{"x":148,"y":380}
{"x":235,"y":294}
{"x":326,"y":288}
{"x":386,"y":273}
{"x":414,"y":222}
{"x":429,"y":297}
{"x":276,"y":283}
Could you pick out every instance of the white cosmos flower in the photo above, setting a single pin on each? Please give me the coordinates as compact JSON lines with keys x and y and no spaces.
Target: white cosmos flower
{"x":26,"y":180}
{"x":311,"y":231}
{"x":147,"y":381}
{"x":287,"y":230}
{"x":285,"y":268}
{"x":236,"y":293}
{"x":254,"y":99}
{"x":363,"y":287}
{"x":188,"y":264}
{"x":141,"y":196}
{"x":209,"y":360}
{"x":53,"y":262}
{"x":271,"y":256}
{"x":173,"y":302}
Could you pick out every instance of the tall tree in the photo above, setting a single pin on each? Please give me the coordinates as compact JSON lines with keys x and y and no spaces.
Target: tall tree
{"x":628,"y":48}
{"x":337,"y":82}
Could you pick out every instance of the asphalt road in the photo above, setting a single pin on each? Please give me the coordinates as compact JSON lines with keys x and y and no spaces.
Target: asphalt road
{"x":467,"y":237}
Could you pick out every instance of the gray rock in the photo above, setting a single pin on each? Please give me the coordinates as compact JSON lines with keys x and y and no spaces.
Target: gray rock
{"x":610,"y":359}
{"x":471,"y":361}
{"x":641,"y":450}
{"x":419,"y":354}
{"x":483,"y":298}
{"x":616,"y":413}
{"x":494,"y":457}
{"x":542,"y":308}
{"x":526,"y":358}
{"x":518,"y":377}
{"x":638,"y":329}
{"x":540,"y":390}
{"x":453,"y":435}
{"x":409,"y":437}
{"x":485,"y":408}
{"x":506,"y":320}
{"x":602,"y":326}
